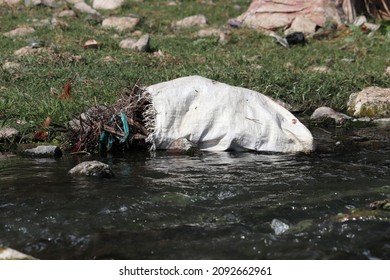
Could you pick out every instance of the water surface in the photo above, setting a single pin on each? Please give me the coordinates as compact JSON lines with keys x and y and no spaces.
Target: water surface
{"x":212,"y":206}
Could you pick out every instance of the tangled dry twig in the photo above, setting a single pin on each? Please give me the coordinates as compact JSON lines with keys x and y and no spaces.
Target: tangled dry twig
{"x":120,"y":126}
{"x":378,"y":8}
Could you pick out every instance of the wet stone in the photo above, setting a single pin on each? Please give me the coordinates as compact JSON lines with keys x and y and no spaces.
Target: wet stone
{"x":279,"y":227}
{"x":324,"y":116}
{"x":184,"y":146}
{"x":92,"y":168}
{"x":44,"y":151}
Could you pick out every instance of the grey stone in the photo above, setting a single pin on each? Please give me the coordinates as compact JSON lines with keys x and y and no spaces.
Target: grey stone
{"x":184,"y":146}
{"x":20,"y":31}
{"x":373,"y":102}
{"x":44,"y":151}
{"x":192,"y":21}
{"x":84,"y":8}
{"x":279,"y":227}
{"x":92,"y":168}
{"x":328,"y":116}
{"x":10,"y":2}
{"x":128,"y":43}
{"x":48,"y":3}
{"x":121,"y":23}
{"x":142,"y":44}
{"x":66,"y":13}
{"x":107,"y":4}
{"x":74,"y":1}
{"x":8,"y":133}
{"x":213,"y":32}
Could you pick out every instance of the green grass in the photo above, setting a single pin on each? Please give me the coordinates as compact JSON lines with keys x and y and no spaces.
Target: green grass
{"x":248,"y":59}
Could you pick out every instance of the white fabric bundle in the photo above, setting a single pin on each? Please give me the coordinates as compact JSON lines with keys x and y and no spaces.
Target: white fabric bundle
{"x":219,"y":117}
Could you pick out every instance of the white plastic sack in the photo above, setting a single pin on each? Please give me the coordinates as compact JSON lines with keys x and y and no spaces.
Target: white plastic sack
{"x":219,"y":117}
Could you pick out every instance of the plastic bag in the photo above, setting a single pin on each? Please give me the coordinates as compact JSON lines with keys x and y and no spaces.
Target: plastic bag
{"x":219,"y":117}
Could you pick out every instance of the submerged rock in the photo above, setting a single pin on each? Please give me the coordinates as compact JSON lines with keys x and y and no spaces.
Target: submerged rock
{"x":11,"y":254}
{"x":373,"y":102}
{"x":327,"y":116}
{"x":92,"y":168}
{"x":279,"y":227}
{"x":184,"y":146}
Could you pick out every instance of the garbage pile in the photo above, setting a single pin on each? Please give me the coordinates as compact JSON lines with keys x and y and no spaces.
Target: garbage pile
{"x":208,"y":115}
{"x":109,"y":128}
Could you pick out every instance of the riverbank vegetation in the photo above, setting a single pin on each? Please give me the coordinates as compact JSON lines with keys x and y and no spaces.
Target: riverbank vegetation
{"x":29,"y":91}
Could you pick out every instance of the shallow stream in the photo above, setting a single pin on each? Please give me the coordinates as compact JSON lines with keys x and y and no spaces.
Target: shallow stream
{"x":212,"y":206}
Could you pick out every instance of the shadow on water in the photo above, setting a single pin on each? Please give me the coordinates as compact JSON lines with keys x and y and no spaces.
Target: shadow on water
{"x":212,"y":206}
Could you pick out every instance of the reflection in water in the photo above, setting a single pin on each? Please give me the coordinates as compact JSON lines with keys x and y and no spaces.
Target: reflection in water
{"x":215,"y":206}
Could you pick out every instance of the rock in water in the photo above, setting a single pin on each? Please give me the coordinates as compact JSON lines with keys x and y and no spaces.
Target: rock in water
{"x":328,"y":116}
{"x":279,"y":227}
{"x":218,"y":117}
{"x":92,"y":168}
{"x":44,"y":151}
